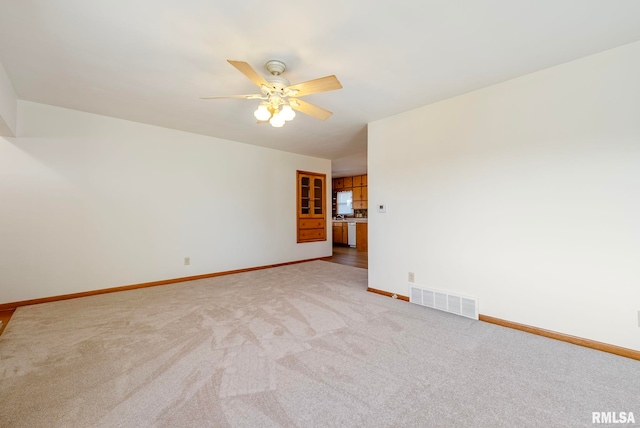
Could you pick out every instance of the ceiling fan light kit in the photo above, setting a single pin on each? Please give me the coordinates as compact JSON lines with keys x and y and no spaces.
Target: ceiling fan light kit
{"x":262,"y":113}
{"x":278,"y":102}
{"x":287,"y":112}
{"x":277,"y":121}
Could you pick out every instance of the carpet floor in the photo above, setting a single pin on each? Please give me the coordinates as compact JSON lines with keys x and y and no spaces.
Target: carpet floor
{"x":301,"y":345}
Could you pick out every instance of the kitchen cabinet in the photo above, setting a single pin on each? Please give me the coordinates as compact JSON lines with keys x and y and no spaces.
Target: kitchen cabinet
{"x":360,"y":195}
{"x":337,"y":233}
{"x":311,"y":207}
{"x":340,"y":233}
{"x":365,"y":197}
{"x":362,"y":238}
{"x":358,"y":185}
{"x":357,"y":194}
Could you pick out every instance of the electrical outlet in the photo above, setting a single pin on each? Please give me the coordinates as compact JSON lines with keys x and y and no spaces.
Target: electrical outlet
{"x":187,"y":261}
{"x":412,"y":277}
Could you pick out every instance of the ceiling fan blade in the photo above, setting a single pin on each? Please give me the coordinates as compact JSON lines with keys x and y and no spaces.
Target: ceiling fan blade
{"x":248,"y":71}
{"x":323,"y":84}
{"x":247,"y":97}
{"x":310,"y":109}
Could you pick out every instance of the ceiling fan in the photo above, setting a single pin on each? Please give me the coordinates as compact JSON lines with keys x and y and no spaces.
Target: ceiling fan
{"x":279,"y":97}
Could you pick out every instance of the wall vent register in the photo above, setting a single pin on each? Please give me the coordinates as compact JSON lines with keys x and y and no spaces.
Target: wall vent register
{"x":444,"y":301}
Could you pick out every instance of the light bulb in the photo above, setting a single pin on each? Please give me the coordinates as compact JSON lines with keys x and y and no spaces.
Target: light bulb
{"x":277,"y":121}
{"x":287,"y":112}
{"x":262,"y":113}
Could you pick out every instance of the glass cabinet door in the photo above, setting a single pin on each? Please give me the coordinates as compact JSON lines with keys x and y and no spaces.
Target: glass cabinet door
{"x":318,"y":199}
{"x":305,"y":195}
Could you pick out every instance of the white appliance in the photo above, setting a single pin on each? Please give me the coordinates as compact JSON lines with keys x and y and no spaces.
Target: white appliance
{"x":351,"y":234}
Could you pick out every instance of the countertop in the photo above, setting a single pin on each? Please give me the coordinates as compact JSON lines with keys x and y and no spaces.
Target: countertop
{"x":351,"y":220}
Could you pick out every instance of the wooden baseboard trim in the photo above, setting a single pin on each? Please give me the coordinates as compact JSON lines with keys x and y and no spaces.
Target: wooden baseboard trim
{"x":587,"y":343}
{"x":386,"y":293}
{"x":14,"y":305}
{"x":600,"y":346}
{"x":5,"y":316}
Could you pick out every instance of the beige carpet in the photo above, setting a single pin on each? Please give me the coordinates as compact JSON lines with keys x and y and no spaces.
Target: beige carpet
{"x":301,"y":345}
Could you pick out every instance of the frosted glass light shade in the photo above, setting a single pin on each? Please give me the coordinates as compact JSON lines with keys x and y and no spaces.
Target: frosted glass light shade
{"x":277,"y":121}
{"x":287,"y":112}
{"x":262,"y":113}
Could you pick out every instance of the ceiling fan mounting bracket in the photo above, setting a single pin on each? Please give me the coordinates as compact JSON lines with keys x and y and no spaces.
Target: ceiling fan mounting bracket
{"x":275,"y":67}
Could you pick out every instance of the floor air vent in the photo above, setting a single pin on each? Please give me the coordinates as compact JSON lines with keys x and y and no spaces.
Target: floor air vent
{"x":448,"y":302}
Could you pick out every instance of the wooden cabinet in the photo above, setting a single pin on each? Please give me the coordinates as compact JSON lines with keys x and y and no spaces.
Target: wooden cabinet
{"x":362,"y":237}
{"x":357,"y":184}
{"x":310,"y":235}
{"x":360,"y":195}
{"x":340,"y":233}
{"x":357,"y":194}
{"x":311,"y":207}
{"x":337,"y":233}
{"x":365,"y":197}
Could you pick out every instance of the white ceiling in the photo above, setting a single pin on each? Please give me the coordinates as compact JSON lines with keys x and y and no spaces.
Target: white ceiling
{"x":150,"y":60}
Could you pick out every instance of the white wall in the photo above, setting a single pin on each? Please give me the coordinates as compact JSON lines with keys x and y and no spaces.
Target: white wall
{"x":8,"y":105}
{"x":525,"y":194}
{"x":91,"y":202}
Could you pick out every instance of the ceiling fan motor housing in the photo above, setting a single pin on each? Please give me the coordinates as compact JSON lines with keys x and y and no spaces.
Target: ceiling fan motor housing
{"x":278,"y":83}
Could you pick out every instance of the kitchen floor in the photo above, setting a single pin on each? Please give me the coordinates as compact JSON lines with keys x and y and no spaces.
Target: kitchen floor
{"x":349,"y":256}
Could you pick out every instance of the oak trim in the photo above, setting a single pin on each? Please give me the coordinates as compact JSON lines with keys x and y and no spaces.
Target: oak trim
{"x":574,"y":340}
{"x":5,"y":317}
{"x":386,"y":293}
{"x":587,"y":343}
{"x":14,"y":305}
